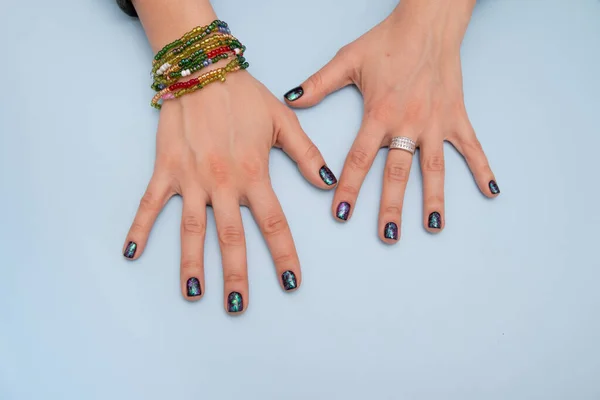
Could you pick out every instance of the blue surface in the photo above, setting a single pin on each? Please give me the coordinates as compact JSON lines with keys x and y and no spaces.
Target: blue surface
{"x":504,"y":304}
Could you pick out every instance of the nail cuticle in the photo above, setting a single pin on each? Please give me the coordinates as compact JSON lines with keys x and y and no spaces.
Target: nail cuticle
{"x":327,"y":176}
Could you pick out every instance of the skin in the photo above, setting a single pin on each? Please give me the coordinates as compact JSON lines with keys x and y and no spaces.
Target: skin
{"x":212,"y":148}
{"x":409,"y":73}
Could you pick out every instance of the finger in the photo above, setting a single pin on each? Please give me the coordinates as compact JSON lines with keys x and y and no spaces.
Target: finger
{"x":395,"y":178}
{"x":432,"y":168}
{"x":157,"y":194}
{"x":358,"y":162}
{"x":272,"y":222}
{"x":292,"y":139}
{"x":468,"y":145}
{"x":193,"y":231}
{"x":233,"y":250}
{"x":333,"y":76}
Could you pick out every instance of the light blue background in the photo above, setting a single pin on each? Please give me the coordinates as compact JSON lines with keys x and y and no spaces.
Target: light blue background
{"x":504,"y":304}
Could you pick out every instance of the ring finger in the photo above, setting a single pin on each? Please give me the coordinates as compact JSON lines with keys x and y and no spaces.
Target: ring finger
{"x":274,"y":227}
{"x":395,"y":178}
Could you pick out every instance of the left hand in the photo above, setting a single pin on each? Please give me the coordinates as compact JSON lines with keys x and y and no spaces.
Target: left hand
{"x":409,"y":73}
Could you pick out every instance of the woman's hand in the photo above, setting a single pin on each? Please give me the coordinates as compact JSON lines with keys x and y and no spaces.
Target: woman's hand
{"x":213,"y":149}
{"x":408,"y":70}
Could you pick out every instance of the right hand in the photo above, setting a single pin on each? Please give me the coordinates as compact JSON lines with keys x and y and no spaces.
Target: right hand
{"x":213,"y":149}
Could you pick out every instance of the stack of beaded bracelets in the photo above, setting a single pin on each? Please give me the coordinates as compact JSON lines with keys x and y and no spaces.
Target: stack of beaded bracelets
{"x":197,"y":49}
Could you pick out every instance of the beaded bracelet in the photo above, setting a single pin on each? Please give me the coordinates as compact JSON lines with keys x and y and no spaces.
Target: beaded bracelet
{"x":195,"y":50}
{"x":198,"y":33}
{"x":178,"y":89}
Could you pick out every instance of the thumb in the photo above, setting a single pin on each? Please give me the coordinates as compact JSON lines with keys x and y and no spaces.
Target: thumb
{"x":333,"y":76}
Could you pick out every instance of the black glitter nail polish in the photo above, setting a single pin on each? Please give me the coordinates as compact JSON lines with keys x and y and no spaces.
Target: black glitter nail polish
{"x":289,"y":280}
{"x":294,"y":94}
{"x":343,"y":211}
{"x":193,"y":287}
{"x":235,"y":303}
{"x":391,"y":231}
{"x":435,"y":220}
{"x":494,"y":187}
{"x":130,"y":250}
{"x":327,"y":176}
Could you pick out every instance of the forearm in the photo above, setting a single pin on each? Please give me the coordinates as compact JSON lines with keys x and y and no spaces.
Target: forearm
{"x":167,"y":20}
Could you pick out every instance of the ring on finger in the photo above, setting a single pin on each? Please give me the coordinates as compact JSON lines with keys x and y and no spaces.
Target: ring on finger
{"x":403,"y":143}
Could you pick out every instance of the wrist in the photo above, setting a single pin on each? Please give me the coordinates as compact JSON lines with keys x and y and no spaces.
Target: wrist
{"x":167,"y":20}
{"x":441,"y":21}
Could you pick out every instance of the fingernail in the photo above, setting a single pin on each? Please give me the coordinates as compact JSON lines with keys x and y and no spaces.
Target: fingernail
{"x":343,"y":210}
{"x":327,"y":176}
{"x":294,"y":94}
{"x":130,"y":250}
{"x":391,"y":231}
{"x":435,"y":220}
{"x":235,"y":303}
{"x":289,"y":280}
{"x":494,"y":187}
{"x":193,"y":287}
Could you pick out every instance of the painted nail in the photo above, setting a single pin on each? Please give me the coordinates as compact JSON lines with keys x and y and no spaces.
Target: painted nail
{"x":193,"y":287}
{"x":289,"y":280}
{"x":327,"y":176}
{"x":130,"y":250}
{"x":235,"y":303}
{"x":294,"y":94}
{"x":391,"y":231}
{"x":435,"y":220}
{"x":494,"y":187}
{"x":343,"y":211}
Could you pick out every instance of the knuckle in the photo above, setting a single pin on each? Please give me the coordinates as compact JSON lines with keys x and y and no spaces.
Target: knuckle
{"x":393,"y":210}
{"x":193,"y":225}
{"x":382,"y":112}
{"x":316,"y":79}
{"x":285,"y":259}
{"x":137,"y":227}
{"x":219,"y":170}
{"x":150,"y":202}
{"x":231,"y":236}
{"x":235,"y":277}
{"x":398,"y":172}
{"x":348,"y":189}
{"x":191,"y":265}
{"x":312,"y":153}
{"x":413,"y":111}
{"x":358,"y":159}
{"x":434,"y":199}
{"x":254,"y":169}
{"x":433,"y":163}
{"x":274,"y":224}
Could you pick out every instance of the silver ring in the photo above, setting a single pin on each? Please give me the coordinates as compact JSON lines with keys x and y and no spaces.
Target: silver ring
{"x":403,"y":143}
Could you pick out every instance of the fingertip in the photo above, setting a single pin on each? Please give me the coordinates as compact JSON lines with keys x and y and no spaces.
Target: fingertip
{"x":235,"y":304}
{"x":390,"y":234}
